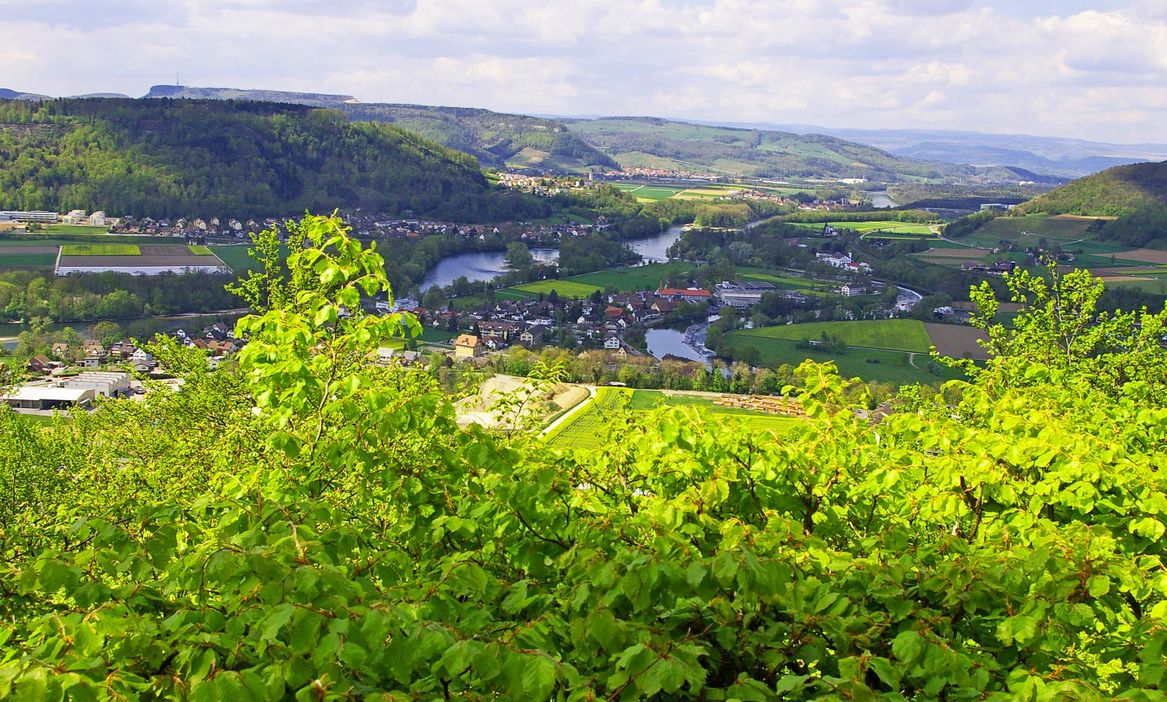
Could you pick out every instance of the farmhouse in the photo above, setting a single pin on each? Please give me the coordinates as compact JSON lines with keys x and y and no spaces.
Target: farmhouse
{"x":467,"y":346}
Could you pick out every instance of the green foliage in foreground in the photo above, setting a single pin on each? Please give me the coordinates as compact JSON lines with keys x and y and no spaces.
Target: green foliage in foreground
{"x":311,"y":526}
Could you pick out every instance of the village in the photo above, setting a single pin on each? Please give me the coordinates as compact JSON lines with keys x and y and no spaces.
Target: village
{"x":75,"y":375}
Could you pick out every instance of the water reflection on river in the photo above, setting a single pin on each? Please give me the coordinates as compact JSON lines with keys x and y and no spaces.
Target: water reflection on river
{"x":477,"y":266}
{"x":662,"y":342}
{"x":485,"y":265}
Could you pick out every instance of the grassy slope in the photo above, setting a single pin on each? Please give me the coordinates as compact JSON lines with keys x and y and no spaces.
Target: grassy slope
{"x":493,"y":138}
{"x":869,"y":364}
{"x":663,"y":143}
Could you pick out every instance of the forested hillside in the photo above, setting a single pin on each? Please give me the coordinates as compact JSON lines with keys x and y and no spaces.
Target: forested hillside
{"x":168,"y":158}
{"x":659,"y":143}
{"x":1117,"y":191}
{"x":494,"y":139}
{"x":308,"y":525}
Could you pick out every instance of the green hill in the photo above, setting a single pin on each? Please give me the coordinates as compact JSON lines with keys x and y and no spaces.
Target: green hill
{"x":1118,"y":191}
{"x":495,"y":139}
{"x":660,"y":143}
{"x":167,"y":158}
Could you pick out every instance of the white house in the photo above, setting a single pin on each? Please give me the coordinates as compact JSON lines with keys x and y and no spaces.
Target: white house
{"x":835,"y":260}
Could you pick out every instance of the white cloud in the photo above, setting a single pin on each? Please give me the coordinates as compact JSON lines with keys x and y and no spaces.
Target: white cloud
{"x":866,"y":63}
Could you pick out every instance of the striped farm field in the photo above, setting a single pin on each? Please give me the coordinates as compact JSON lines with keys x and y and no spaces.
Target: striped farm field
{"x":100,"y":250}
{"x":586,"y":428}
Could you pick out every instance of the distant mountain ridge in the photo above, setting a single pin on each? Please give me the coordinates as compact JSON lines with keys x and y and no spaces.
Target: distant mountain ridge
{"x":295,"y":98}
{"x":730,"y":148}
{"x":9,"y":94}
{"x":653,"y":142}
{"x":1054,"y":156}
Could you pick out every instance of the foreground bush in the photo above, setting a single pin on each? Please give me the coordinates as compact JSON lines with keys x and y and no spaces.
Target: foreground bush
{"x":309,"y":526}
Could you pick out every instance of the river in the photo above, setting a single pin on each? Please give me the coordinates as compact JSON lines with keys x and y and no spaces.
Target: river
{"x":485,"y":265}
{"x":882,"y":201}
{"x":477,"y":266}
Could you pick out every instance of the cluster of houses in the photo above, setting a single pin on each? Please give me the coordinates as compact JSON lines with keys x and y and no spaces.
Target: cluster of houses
{"x":533,"y":323}
{"x":76,"y":374}
{"x":998,"y":269}
{"x":842,"y":261}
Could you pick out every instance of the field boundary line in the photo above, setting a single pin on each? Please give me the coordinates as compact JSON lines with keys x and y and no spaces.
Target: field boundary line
{"x":571,"y":412}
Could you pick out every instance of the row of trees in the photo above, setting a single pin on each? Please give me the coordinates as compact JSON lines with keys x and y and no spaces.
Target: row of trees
{"x":97,"y":296}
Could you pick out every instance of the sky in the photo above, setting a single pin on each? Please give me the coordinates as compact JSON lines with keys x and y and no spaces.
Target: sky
{"x":1073,"y":68}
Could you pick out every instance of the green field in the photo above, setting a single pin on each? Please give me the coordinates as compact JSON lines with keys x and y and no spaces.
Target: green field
{"x":650,"y":192}
{"x":870,"y":227}
{"x":647,"y":277}
{"x":891,"y":334}
{"x":895,"y":367}
{"x":15,"y":258}
{"x":783,"y":281}
{"x":653,"y":192}
{"x":654,"y":399}
{"x":564,"y":288}
{"x":200,"y":250}
{"x":236,"y":258}
{"x":73,"y":229}
{"x":586,"y":428}
{"x":589,"y":428}
{"x":100,"y":250}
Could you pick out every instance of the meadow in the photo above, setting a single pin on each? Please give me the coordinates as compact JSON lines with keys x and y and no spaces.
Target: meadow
{"x":882,"y":365}
{"x":647,"y":277}
{"x":652,"y":192}
{"x":200,"y":250}
{"x":878,"y":229}
{"x":783,"y":281}
{"x":236,"y":258}
{"x":892,"y":334}
{"x":27,"y":257}
{"x":1119,"y":266}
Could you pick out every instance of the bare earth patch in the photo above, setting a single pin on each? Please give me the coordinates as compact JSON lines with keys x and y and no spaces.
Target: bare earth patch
{"x":490,"y":408}
{"x":956,"y":340}
{"x":1143,"y":256}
